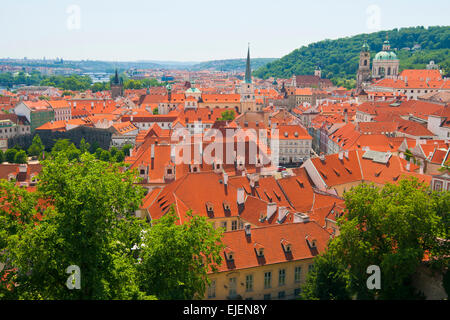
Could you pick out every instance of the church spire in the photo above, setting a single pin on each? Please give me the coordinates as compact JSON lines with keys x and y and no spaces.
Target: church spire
{"x":248,"y":71}
{"x":116,"y":78}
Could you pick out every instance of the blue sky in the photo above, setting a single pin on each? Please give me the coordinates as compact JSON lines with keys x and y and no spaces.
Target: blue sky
{"x":196,"y":30}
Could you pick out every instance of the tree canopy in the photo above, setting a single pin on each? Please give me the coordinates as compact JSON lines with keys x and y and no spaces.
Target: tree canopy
{"x":83,"y":214}
{"x":338,"y":59}
{"x":395,"y":227}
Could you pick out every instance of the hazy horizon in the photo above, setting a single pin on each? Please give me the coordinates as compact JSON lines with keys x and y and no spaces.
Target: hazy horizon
{"x":197,"y":30}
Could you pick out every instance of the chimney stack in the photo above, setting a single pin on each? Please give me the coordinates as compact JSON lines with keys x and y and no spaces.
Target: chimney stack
{"x":240,"y":196}
{"x":172,"y":153}
{"x":301,"y":217}
{"x":271,"y":209}
{"x":341,"y":155}
{"x":248,"y":231}
{"x":282,"y":213}
{"x":153,"y":157}
{"x":225,"y":182}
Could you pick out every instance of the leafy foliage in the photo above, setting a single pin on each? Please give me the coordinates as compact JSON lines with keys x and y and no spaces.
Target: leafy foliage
{"x":176,"y":268}
{"x":227,"y":115}
{"x":36,"y":147}
{"x":339,"y":58}
{"x":393,"y":228}
{"x":83,"y":214}
{"x":327,"y":280}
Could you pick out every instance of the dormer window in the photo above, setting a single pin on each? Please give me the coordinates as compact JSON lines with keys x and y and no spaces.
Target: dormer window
{"x":262,"y":216}
{"x":209,"y":207}
{"x":311,"y":242}
{"x":287,"y":246}
{"x":226,"y":206}
{"x":229,"y":254}
{"x":259,"y":250}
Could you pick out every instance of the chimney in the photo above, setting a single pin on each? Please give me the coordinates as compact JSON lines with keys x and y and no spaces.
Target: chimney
{"x":282,"y":213}
{"x":225,"y":182}
{"x":346,"y":154}
{"x":240,"y":196}
{"x":341,"y":155}
{"x":271,"y":209}
{"x":200,"y":151}
{"x":153,"y":157}
{"x":301,"y":217}
{"x":248,"y":230}
{"x":252,"y":186}
{"x":23,"y":167}
{"x":172,"y":153}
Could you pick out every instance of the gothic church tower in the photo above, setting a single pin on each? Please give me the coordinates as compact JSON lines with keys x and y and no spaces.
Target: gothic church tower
{"x":247,"y":90}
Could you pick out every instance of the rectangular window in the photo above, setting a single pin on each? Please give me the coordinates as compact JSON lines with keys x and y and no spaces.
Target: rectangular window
{"x":224,"y":225}
{"x":267,"y":280}
{"x":298,"y":274}
{"x":282,"y":277}
{"x":267,"y":296}
{"x":249,"y":283}
{"x":281,"y":295}
{"x":234,"y":225}
{"x":212,"y":289}
{"x":297,"y":292}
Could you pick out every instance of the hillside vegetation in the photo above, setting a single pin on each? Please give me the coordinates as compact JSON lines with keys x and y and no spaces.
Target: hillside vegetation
{"x":338,"y":58}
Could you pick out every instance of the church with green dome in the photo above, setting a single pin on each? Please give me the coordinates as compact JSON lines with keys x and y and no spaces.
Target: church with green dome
{"x":385,"y":63}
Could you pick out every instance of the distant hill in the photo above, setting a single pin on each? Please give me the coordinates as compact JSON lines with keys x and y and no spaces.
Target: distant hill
{"x":339,"y":58}
{"x":109,"y":66}
{"x":230,"y":64}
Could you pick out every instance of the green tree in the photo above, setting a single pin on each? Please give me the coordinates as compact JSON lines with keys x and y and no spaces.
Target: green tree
{"x":20,"y":157}
{"x":113,"y":151}
{"x":94,"y":146}
{"x":408,"y":155}
{"x":105,"y":155}
{"x":18,"y":208}
{"x":328,"y":280}
{"x":60,"y":145}
{"x":2,"y":157}
{"x":392,"y":227}
{"x":10,"y":154}
{"x":120,"y":156}
{"x":126,"y":149}
{"x":36,"y":147}
{"x":176,"y":258}
{"x":155,"y":110}
{"x":84,"y":146}
{"x":227,"y":115}
{"x":90,"y":224}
